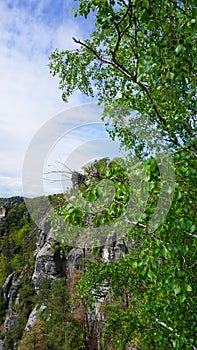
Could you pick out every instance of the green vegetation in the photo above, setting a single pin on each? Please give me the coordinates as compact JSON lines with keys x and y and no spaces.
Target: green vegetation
{"x":142,"y":56}
{"x":17,"y":239}
{"x":55,"y":329}
{"x":156,"y":281}
{"x":63,"y":331}
{"x":17,"y":244}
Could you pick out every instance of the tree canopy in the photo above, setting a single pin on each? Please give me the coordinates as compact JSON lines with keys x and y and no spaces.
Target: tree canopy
{"x":141,"y":56}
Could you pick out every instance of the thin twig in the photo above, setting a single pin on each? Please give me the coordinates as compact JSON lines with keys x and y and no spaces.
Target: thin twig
{"x":170,"y":329}
{"x":190,"y":234}
{"x":193,"y":265}
{"x":136,"y":223}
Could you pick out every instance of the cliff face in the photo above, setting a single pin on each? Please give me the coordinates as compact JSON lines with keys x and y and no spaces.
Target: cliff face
{"x":50,"y":266}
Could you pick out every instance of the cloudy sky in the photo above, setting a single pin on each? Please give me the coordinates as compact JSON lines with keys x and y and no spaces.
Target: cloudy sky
{"x":30,"y":30}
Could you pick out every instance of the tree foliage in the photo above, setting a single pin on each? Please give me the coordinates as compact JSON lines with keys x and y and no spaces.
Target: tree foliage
{"x":61,"y":329}
{"x":154,"y":286}
{"x":34,"y":339}
{"x":141,"y":56}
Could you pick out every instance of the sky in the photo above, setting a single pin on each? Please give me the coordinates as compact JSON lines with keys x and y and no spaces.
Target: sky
{"x":29,"y":96}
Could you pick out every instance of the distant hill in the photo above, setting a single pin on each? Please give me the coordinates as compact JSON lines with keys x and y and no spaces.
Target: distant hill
{"x":11,"y":200}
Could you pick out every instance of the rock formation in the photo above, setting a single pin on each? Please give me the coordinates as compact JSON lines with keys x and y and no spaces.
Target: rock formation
{"x":50,"y":265}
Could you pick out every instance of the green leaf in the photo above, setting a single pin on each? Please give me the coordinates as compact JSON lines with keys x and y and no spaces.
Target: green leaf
{"x":146,"y":4}
{"x":151,"y":185}
{"x":181,"y":298}
{"x":177,"y":290}
{"x":191,"y":94}
{"x":134,"y":264}
{"x":170,"y":75}
{"x":188,"y":288}
{"x":151,"y":275}
{"x":193,"y":229}
{"x":164,"y":251}
{"x":180,"y":48}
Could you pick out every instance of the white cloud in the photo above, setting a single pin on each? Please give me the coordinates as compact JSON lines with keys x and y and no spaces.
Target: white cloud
{"x":29,"y":96}
{"x":73,"y":151}
{"x":74,"y":137}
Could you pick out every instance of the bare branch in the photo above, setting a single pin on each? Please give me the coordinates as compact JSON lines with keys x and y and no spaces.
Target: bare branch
{"x":136,"y":223}
{"x":169,"y":328}
{"x":129,"y":7}
{"x":121,"y":34}
{"x":165,"y":325}
{"x":91,"y":49}
{"x":193,"y":265}
{"x":190,"y":234}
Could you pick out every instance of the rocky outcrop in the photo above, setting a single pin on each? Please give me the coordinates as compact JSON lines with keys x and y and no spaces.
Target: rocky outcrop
{"x":48,"y":263}
{"x":33,"y":316}
{"x":7,"y":287}
{"x":2,"y":211}
{"x":114,"y":248}
{"x":51,"y":266}
{"x":10,"y":292}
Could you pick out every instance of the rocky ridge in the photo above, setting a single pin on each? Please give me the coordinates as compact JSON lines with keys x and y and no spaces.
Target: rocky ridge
{"x":50,"y":265}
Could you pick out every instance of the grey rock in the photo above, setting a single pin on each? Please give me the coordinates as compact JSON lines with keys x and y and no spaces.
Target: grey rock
{"x":10,"y":293}
{"x":75,"y":260}
{"x":33,"y":316}
{"x":114,"y":248}
{"x":11,"y":287}
{"x":43,"y":235}
{"x":48,"y":264}
{"x":10,"y":319}
{"x":7,"y":285}
{"x":44,"y":266}
{"x":120,"y":249}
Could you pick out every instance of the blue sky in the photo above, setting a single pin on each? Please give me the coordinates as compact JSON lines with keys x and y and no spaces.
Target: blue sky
{"x":29,"y":95}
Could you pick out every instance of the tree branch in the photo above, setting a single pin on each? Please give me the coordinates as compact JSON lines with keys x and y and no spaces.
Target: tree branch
{"x":170,"y":329}
{"x":193,"y":265}
{"x":190,"y":234}
{"x":129,"y":7}
{"x":91,"y":49}
{"x":128,"y":74}
{"x":165,"y":325}
{"x":100,"y":58}
{"x":136,"y":223}
{"x":125,"y":71}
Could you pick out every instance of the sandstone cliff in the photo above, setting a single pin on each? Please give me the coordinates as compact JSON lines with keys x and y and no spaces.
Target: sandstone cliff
{"x":50,"y":265}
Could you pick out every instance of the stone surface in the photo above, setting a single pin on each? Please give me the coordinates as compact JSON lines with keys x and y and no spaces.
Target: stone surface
{"x":33,"y":316}
{"x":9,"y":321}
{"x":1,"y":345}
{"x":50,"y":265}
{"x":7,"y":286}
